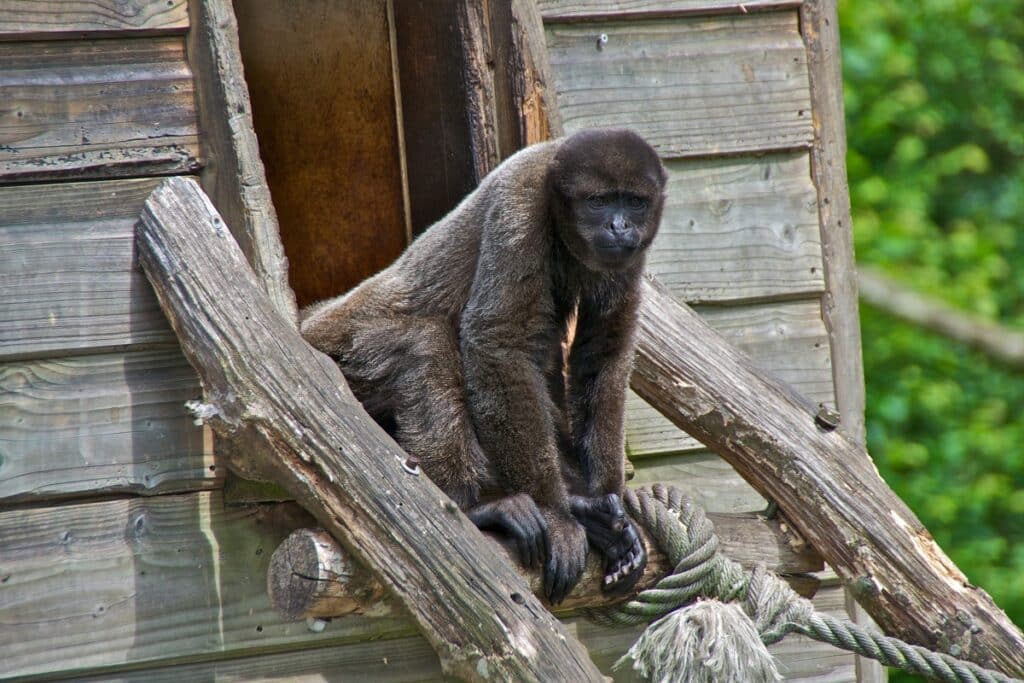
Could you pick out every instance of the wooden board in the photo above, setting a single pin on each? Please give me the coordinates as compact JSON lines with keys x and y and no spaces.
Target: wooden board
{"x":583,"y":10}
{"x":124,"y":582}
{"x":705,"y":477}
{"x":410,"y":659}
{"x":786,"y":338}
{"x":739,"y":229}
{"x":334,"y":169}
{"x":101,"y":424}
{"x":21,"y":19}
{"x":69,"y":276}
{"x":96,"y":108}
{"x":87,"y":588}
{"x":690,"y":86}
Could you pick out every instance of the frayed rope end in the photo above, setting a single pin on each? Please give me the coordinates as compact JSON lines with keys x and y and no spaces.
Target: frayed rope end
{"x":706,"y":642}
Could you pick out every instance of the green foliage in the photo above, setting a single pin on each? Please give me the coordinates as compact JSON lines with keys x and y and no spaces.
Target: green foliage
{"x":935,"y":127}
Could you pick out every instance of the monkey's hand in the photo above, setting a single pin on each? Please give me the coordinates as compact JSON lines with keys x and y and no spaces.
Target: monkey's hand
{"x":567,"y":554}
{"x":519,"y":518}
{"x":610,"y":531}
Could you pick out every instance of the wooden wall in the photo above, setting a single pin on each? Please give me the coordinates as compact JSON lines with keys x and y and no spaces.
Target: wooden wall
{"x":119,"y":557}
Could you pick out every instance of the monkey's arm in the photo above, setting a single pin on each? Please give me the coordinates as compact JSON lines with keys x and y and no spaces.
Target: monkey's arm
{"x":504,"y":338}
{"x":599,"y":365}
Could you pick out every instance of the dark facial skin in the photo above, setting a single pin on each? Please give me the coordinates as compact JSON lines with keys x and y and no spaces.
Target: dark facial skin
{"x":458,"y":348}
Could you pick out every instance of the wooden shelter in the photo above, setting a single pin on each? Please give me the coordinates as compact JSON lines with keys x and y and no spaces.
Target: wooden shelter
{"x":125,"y":550}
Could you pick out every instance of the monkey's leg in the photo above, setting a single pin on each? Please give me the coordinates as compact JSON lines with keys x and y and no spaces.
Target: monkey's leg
{"x":432,"y":422}
{"x":613,"y":535}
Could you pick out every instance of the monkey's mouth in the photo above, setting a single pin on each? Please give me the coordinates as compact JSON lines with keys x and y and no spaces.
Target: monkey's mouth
{"x":617,"y":252}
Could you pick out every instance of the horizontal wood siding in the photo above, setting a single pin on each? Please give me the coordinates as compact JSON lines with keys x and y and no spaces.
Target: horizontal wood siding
{"x":690,"y":86}
{"x":70,"y":279}
{"x":786,"y":338}
{"x":164,"y":579}
{"x":410,"y":659}
{"x":96,"y":108}
{"x":739,"y":229}
{"x":92,"y":588}
{"x":585,"y":10}
{"x":21,"y":19}
{"x":101,"y":424}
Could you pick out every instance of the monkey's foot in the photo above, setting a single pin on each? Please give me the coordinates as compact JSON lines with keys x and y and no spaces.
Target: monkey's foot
{"x":519,"y":518}
{"x":613,"y":535}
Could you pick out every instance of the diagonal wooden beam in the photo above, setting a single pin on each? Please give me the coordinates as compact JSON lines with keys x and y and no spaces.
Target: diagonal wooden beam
{"x":265,"y":387}
{"x":822,"y":479}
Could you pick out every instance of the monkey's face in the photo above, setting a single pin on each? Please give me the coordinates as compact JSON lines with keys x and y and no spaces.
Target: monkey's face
{"x":607,"y":194}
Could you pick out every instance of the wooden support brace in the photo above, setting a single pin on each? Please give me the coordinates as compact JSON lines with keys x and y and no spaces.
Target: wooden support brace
{"x":266,"y":387}
{"x":310,"y":575}
{"x":824,"y":482}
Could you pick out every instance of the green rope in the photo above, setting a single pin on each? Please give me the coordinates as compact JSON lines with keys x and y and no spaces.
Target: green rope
{"x":684,"y":533}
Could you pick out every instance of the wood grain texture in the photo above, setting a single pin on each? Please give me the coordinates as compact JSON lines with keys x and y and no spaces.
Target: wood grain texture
{"x":705,"y":477}
{"x":739,"y":229}
{"x":822,"y":480}
{"x":70,"y":278}
{"x":96,"y":108}
{"x":22,"y":19}
{"x":410,"y":659}
{"x":820,"y":25}
{"x":107,"y":423}
{"x":325,"y":68}
{"x":235,"y":178}
{"x":787,"y":339}
{"x":588,"y":10}
{"x":708,"y":85}
{"x":288,"y":409}
{"x":93,"y":586}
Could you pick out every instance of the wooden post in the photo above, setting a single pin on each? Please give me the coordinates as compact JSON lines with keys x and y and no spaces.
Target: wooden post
{"x":310,"y":575}
{"x":824,"y":482}
{"x":267,"y":388}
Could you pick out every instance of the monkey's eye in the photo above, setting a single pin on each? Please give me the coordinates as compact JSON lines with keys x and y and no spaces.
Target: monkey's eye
{"x":597,"y":201}
{"x":637,"y":203}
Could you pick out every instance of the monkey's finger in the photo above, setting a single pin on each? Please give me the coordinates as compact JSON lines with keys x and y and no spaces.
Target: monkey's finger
{"x":549,"y":579}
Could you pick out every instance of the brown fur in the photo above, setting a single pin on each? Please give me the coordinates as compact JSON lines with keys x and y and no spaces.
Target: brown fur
{"x":456,"y":347}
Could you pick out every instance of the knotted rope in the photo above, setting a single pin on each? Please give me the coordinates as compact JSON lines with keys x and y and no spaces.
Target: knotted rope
{"x":686,"y":536}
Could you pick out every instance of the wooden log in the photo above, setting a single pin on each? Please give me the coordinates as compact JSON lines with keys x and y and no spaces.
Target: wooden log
{"x":269,"y":389}
{"x":310,"y":575}
{"x":824,"y":482}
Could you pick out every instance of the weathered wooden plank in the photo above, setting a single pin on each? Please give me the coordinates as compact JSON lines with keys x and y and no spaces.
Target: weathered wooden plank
{"x":96,"y":108}
{"x":821,"y":478}
{"x":101,"y":424}
{"x":588,"y":10}
{"x":69,"y":275}
{"x":235,"y":178}
{"x":739,"y":229}
{"x":787,"y":339}
{"x":397,"y":660}
{"x":410,"y":659}
{"x":21,"y":19}
{"x":93,"y":586}
{"x":709,"y":480}
{"x":708,"y":85}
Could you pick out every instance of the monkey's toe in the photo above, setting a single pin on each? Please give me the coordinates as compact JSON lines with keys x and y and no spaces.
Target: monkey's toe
{"x":622,"y":574}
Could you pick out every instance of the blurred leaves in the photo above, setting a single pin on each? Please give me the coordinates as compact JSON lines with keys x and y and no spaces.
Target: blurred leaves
{"x":935,"y":127}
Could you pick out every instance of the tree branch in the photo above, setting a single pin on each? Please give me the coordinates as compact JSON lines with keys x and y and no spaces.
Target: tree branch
{"x":992,"y":339}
